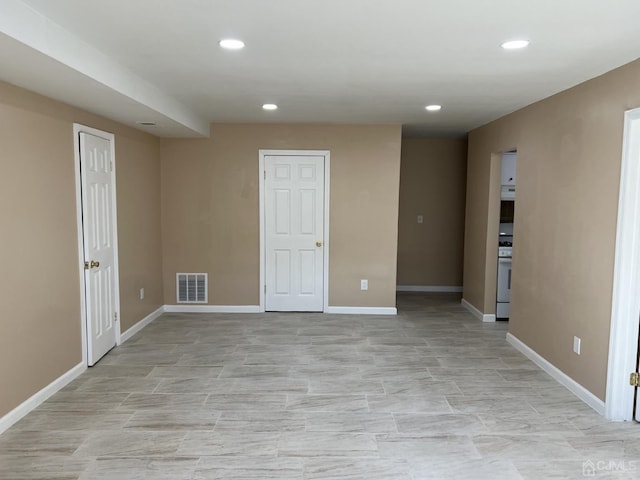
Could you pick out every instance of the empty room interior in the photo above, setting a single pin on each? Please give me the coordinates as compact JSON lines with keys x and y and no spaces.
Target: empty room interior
{"x":319,"y":240}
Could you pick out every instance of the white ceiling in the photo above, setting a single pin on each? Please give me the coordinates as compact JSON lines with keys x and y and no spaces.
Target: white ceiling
{"x":336,"y":61}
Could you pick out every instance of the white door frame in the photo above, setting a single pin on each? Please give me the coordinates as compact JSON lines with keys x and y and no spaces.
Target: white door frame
{"x":623,"y":339}
{"x":77,"y":129}
{"x":261,"y":192}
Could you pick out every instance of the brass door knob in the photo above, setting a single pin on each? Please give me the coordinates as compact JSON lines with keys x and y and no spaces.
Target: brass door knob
{"x":94,"y":264}
{"x":318,"y":244}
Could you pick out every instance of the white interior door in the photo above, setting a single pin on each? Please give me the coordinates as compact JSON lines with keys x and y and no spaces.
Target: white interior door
{"x":98,"y":226}
{"x":294,"y":233}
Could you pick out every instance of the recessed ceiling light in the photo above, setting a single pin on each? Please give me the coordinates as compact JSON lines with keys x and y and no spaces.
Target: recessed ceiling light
{"x":515,"y":44}
{"x":433,"y":108}
{"x":270,"y":106}
{"x":146,"y":124}
{"x":231,"y":44}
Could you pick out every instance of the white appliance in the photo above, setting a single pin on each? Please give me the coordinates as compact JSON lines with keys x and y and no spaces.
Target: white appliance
{"x":503,"y":290}
{"x":508,"y":193}
{"x":503,"y":287}
{"x":508,"y":170}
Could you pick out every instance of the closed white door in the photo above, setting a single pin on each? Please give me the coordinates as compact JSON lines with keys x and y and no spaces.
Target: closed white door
{"x":294,"y":226}
{"x":99,"y":244}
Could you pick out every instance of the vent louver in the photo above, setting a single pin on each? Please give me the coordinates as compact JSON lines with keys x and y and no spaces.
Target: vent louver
{"x":191,"y":287}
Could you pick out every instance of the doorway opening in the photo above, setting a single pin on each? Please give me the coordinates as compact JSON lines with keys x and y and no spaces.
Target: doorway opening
{"x":505,"y":233}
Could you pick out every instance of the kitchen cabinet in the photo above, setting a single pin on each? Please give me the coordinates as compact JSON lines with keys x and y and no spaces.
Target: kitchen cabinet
{"x":506,"y":211}
{"x":508,"y":176}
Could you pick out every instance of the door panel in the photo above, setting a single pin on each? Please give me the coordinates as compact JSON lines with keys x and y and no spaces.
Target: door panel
{"x":98,"y":236}
{"x":283,"y":272}
{"x":294,"y":226}
{"x":307,"y":212}
{"x":307,"y":272}
{"x":283,"y":212}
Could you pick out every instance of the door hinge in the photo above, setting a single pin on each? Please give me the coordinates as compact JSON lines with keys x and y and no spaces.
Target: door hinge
{"x":265,"y":288}
{"x":111,"y":164}
{"x":115,"y":316}
{"x":635,"y":379}
{"x":265,"y":174}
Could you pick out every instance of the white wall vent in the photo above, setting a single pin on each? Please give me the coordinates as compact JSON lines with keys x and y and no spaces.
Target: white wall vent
{"x":191,"y":287}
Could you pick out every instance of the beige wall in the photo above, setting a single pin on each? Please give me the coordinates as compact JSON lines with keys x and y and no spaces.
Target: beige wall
{"x":432,"y":184}
{"x":210,"y":208}
{"x":140,"y":245}
{"x":569,"y":151}
{"x":39,"y":286}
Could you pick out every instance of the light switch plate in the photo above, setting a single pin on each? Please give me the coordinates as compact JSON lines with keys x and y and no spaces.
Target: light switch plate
{"x":576,"y":345}
{"x":420,"y":219}
{"x":364,"y":284}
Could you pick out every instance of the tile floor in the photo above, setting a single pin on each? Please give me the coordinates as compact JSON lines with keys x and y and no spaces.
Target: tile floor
{"x":430,"y":394}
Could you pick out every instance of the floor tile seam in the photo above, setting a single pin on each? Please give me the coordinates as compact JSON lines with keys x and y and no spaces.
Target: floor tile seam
{"x":97,"y":432}
{"x":168,"y":430}
{"x":552,"y":436}
{"x":45,"y":454}
{"x":233,"y":381}
{"x":171,"y":456}
{"x":577,"y":457}
{"x":533,"y":435}
{"x":526,"y":401}
{"x":338,"y":456}
{"x":395,"y":422}
{"x":451,"y":409}
{"x":174,"y":394}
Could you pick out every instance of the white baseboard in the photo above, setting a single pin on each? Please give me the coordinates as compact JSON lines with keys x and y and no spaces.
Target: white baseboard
{"x":574,"y":387}
{"x":485,"y":317}
{"x":256,"y":309}
{"x":428,"y":288}
{"x":37,"y":398}
{"x":362,"y":310}
{"x":141,"y":324}
{"x":212,"y":308}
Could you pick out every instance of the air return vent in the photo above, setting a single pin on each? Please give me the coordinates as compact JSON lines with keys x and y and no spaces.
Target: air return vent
{"x":191,"y":287}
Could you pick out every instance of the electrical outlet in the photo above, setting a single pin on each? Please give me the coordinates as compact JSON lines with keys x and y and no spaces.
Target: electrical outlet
{"x":142,"y":294}
{"x":420,"y":219}
{"x":576,"y":345}
{"x":364,"y":284}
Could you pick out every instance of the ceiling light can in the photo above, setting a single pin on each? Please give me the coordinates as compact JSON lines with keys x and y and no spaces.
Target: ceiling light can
{"x":433,"y":108}
{"x":270,"y":106}
{"x":515,"y":44}
{"x":231,"y":43}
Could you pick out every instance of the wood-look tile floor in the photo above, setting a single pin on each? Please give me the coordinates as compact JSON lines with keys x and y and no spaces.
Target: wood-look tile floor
{"x":429,"y":394}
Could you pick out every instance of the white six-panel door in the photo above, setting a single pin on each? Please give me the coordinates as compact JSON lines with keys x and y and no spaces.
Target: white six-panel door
{"x":294,"y":233}
{"x":99,"y":239}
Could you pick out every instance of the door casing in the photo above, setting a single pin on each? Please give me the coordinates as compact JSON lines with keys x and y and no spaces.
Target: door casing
{"x":77,"y":129}
{"x":261,"y":192}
